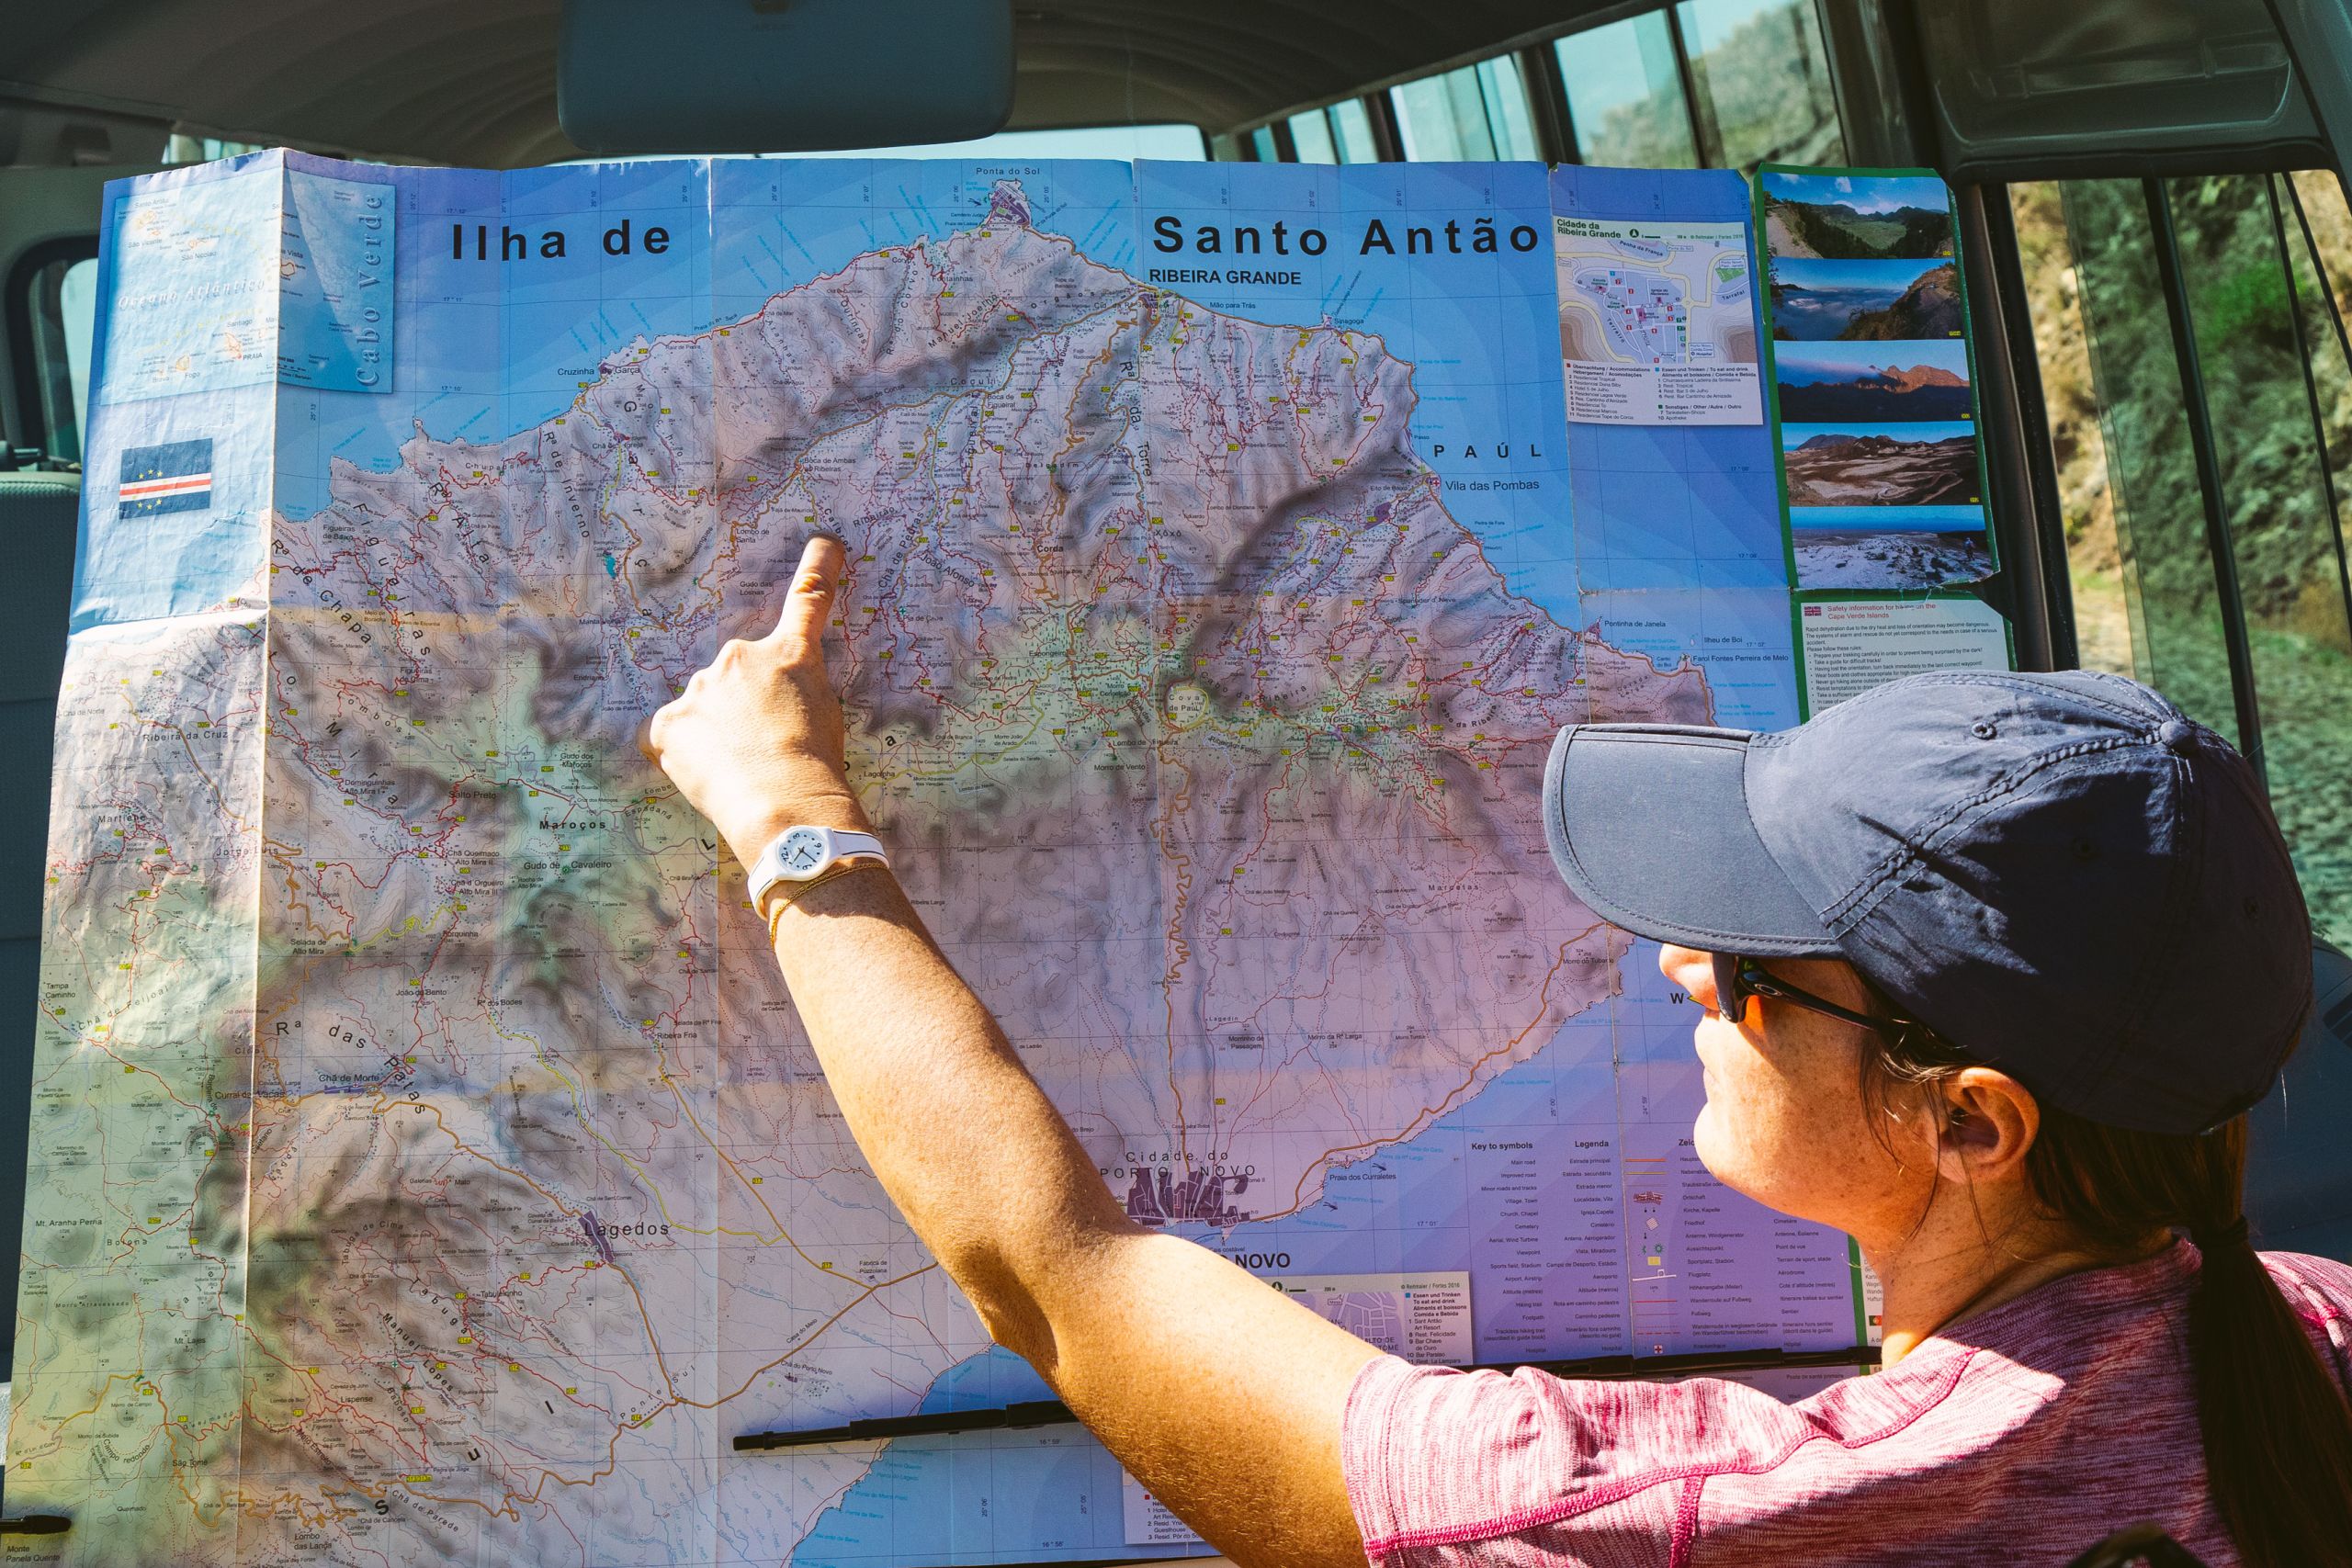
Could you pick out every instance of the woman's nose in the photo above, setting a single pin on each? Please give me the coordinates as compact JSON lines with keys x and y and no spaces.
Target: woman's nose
{"x":1693,"y":970}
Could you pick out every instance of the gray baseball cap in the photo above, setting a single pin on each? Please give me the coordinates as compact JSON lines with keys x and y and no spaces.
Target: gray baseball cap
{"x":2062,"y":874}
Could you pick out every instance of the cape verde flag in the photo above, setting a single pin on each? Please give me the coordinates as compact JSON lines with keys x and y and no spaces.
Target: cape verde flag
{"x":174,"y":477}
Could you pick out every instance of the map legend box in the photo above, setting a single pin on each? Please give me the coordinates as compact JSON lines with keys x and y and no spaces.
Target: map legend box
{"x":1425,"y":1318}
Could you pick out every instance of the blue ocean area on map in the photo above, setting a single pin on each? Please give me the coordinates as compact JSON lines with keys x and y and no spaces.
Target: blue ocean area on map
{"x":1477,"y":327}
{"x":336,"y":315}
{"x":496,"y":350}
{"x":184,"y":283}
{"x":784,"y":222}
{"x":1026,"y":1496}
{"x":501,"y":350}
{"x":501,"y":327}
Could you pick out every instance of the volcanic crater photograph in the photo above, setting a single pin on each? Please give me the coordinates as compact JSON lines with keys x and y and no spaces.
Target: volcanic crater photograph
{"x":1922,"y":463}
{"x":1872,"y":383}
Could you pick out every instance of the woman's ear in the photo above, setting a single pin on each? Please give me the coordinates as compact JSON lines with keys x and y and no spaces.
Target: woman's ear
{"x":1990,"y":1121}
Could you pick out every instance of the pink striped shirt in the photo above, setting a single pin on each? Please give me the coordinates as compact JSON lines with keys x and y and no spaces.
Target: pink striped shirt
{"x":2021,"y":1435}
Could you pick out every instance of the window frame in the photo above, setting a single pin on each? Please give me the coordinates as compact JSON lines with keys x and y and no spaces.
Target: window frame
{"x":1550,"y":115}
{"x":1685,"y":82}
{"x":1475,"y":75}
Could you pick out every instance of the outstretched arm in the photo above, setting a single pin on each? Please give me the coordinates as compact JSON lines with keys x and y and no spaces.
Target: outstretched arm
{"x":1221,"y":1396}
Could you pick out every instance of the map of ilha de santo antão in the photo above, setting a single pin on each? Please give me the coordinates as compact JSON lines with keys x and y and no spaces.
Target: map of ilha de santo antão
{"x":429,"y":1166}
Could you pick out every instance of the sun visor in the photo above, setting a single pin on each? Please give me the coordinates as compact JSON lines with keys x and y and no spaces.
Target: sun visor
{"x":762,"y":76}
{"x":1648,"y":825}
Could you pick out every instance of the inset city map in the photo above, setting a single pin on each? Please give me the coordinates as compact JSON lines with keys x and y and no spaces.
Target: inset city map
{"x":1657,"y":321}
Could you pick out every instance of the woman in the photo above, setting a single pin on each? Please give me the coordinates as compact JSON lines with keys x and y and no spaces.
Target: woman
{"x":1992,"y":967}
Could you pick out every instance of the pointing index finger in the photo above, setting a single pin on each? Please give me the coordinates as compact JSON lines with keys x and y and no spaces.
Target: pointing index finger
{"x":810,"y":599}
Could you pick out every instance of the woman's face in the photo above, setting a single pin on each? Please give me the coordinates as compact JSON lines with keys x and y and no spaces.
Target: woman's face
{"x":1785,"y":1122}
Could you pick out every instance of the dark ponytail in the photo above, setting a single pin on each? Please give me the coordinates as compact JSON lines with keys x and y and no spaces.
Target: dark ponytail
{"x":2277,"y":1434}
{"x":2276,"y":1429}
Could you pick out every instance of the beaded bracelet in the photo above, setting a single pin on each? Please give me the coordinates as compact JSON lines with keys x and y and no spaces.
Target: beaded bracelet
{"x":794,"y":891}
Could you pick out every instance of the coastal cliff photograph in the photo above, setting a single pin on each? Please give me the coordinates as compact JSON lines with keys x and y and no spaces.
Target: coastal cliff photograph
{"x":1865,"y":301}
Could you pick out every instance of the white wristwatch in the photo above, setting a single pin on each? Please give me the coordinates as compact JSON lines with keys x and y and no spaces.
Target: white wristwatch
{"x":803,"y":853}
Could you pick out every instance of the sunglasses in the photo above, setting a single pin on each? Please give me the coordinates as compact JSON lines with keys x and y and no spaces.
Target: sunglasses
{"x":1739,"y":978}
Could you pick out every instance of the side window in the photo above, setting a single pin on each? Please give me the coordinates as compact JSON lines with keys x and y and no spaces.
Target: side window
{"x":1760,"y":78}
{"x":58,"y":301}
{"x":1723,"y":83}
{"x":2200,"y":392}
{"x":1760,"y":83}
{"x":1310,"y":138}
{"x":1476,"y":113}
{"x":1339,"y":134}
{"x":1351,"y":129}
{"x":1626,"y":98}
{"x":1696,"y":84}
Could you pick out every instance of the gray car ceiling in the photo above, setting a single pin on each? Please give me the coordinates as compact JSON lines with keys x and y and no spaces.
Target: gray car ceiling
{"x":473,"y":82}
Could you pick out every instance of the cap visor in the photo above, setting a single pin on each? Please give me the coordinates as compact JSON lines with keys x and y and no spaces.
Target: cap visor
{"x":1649,"y":826}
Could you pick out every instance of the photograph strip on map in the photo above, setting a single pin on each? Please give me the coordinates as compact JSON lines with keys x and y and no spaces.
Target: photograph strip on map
{"x":1670,"y":459}
{"x":1873,"y":408}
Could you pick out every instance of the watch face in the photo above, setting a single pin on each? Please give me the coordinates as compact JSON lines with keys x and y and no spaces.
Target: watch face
{"x":803,"y":849}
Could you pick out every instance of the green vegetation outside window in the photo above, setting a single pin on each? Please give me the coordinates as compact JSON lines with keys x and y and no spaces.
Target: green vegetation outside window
{"x":2277,"y":400}
{"x":1625,"y":94}
{"x":1762,"y":81}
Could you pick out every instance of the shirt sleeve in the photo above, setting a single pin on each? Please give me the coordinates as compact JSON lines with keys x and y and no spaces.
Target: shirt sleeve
{"x":2320,"y":1292}
{"x":1450,"y":1469}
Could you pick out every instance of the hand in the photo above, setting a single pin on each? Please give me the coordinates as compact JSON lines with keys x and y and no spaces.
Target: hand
{"x":755,"y":740}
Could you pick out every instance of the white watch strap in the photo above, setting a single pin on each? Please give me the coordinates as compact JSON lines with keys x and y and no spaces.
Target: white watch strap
{"x":846,"y":844}
{"x":839,"y":844}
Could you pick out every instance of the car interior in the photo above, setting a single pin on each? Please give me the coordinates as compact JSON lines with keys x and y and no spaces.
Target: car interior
{"x":2150,"y":197}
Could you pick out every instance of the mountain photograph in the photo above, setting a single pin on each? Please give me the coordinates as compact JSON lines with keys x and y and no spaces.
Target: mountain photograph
{"x":1856,"y":217}
{"x":1929,"y":309}
{"x":1865,"y":301}
{"x":1825,"y":383}
{"x":1923,"y":463}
